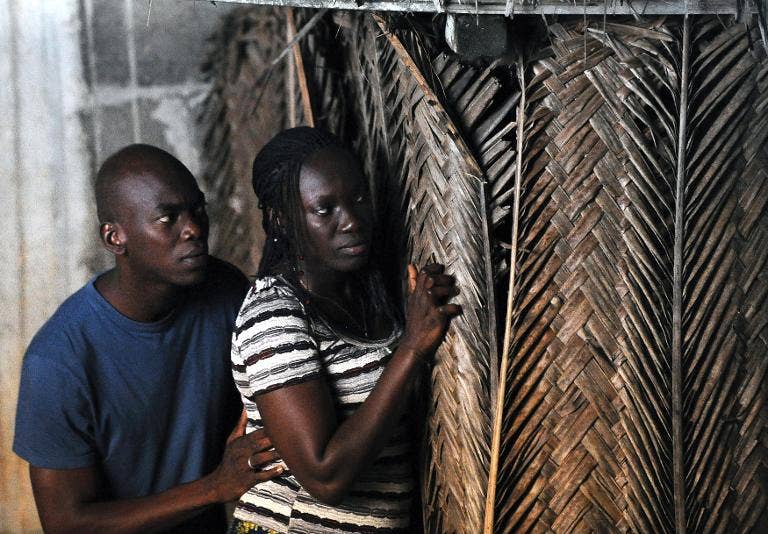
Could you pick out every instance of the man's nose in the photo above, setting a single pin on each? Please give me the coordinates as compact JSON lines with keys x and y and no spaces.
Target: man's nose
{"x":195,"y":227}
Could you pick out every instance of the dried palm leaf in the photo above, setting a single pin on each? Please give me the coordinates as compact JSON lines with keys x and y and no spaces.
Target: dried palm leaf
{"x":627,"y":346}
{"x":447,"y":220}
{"x":243,"y":110}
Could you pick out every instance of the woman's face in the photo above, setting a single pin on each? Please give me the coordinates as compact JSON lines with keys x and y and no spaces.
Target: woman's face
{"x":336,"y":210}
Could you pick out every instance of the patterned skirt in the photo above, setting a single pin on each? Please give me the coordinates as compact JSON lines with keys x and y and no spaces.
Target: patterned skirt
{"x":244,"y":527}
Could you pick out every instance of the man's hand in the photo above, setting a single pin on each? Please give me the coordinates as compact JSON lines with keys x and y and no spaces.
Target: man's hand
{"x":68,"y":500}
{"x":243,"y":463}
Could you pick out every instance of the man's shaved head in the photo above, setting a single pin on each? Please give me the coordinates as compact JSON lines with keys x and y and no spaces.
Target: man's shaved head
{"x":131,"y":161}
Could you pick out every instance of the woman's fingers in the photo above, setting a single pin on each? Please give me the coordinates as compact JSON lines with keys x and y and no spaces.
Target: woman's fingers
{"x":413,"y":274}
{"x":443,"y":292}
{"x":434,"y":268}
{"x":442,"y":280}
{"x":450,"y":310}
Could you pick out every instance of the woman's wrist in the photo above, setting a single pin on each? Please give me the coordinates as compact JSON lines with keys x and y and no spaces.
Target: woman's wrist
{"x":410,"y":351}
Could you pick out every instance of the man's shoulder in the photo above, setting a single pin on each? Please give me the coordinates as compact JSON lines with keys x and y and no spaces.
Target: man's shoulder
{"x":223,"y":289}
{"x":223,"y":272}
{"x":224,"y":278}
{"x":65,"y":327}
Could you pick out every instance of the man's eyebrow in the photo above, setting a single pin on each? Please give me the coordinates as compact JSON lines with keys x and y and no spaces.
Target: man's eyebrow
{"x":170,"y":206}
{"x":179,"y":206}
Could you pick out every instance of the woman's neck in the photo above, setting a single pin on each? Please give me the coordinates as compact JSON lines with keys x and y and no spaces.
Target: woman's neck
{"x":330,"y":284}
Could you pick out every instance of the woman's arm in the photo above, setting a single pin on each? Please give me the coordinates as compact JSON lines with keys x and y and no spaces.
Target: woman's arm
{"x":326,"y":456}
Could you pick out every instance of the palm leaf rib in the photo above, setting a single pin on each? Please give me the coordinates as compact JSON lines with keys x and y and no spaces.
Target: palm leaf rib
{"x":490,"y":502}
{"x":678,"y":468}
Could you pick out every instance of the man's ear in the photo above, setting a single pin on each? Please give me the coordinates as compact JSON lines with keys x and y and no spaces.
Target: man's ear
{"x":112,"y":238}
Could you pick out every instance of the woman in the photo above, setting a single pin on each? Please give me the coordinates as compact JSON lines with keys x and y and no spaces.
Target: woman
{"x":318,"y":355}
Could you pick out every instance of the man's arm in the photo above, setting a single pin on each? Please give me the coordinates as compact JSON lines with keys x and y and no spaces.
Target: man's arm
{"x":68,"y":499}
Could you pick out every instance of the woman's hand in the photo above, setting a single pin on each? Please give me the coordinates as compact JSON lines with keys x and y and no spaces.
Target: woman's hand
{"x":428,"y":312}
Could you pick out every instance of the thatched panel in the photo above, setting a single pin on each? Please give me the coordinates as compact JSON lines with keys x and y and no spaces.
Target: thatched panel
{"x":631,"y":400}
{"x":609,"y":180}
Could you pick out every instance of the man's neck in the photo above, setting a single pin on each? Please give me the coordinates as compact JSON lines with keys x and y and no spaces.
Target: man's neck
{"x":137,"y":299}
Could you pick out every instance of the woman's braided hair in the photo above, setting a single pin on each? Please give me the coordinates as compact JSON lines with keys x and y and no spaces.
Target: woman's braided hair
{"x":275,"y":180}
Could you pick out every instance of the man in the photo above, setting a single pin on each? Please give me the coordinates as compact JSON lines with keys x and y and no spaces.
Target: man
{"x":126,"y":394}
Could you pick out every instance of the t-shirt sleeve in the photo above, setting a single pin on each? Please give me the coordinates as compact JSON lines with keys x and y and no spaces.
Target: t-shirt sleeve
{"x":272,"y":344}
{"x":54,"y":426}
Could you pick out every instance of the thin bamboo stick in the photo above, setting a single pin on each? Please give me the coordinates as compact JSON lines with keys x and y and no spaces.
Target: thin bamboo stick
{"x":498,"y":416}
{"x":301,"y":74}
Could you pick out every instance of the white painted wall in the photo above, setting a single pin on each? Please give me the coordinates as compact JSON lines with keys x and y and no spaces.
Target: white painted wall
{"x":78,"y":80}
{"x":44,"y":201}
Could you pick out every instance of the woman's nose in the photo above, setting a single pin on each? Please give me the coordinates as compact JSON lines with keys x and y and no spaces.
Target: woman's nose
{"x":350,"y":220}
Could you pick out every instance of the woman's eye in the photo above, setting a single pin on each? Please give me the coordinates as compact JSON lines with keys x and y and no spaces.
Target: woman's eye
{"x":165,"y":219}
{"x":322,"y":211}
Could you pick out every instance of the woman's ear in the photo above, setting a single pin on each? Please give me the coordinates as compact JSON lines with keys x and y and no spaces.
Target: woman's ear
{"x":112,"y":238}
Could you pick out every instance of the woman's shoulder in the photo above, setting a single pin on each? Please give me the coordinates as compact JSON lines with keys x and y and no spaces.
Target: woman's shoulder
{"x":270,"y":293}
{"x":273,"y":285}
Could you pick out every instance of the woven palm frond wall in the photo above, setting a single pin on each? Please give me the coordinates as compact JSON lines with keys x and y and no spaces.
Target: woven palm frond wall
{"x":601,"y":194}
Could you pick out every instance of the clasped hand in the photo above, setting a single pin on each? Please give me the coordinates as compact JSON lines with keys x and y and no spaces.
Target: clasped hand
{"x":428,"y":312}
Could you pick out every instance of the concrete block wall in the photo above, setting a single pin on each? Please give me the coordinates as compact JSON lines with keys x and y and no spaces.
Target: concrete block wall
{"x":80,"y":79}
{"x":142,"y":68}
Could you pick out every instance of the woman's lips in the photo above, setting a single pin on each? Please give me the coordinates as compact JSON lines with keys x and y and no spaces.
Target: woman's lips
{"x":355,"y":250}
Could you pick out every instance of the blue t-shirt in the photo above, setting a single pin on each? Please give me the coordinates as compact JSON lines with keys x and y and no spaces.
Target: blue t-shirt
{"x":150,"y":404}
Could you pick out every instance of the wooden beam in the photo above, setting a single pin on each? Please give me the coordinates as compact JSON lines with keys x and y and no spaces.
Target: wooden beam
{"x":517,"y":7}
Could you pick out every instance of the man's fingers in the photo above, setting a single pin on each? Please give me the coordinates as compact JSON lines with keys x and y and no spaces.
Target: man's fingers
{"x":260,"y":458}
{"x":239,"y":429}
{"x":268,"y":474}
{"x":412,"y":274}
{"x":258,"y":433}
{"x":258,"y":442}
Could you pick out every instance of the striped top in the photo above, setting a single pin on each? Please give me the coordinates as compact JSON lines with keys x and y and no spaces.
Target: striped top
{"x":276,"y":343}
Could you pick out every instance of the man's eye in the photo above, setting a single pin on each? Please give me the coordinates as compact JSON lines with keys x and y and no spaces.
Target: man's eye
{"x":168,"y":218}
{"x":360,"y":199}
{"x":322,"y":211}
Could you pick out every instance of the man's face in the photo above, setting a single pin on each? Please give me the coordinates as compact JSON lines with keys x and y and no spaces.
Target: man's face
{"x":165,"y":226}
{"x":337,"y":211}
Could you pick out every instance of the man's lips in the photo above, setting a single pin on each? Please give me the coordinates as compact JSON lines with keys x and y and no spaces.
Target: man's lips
{"x":197,"y":256}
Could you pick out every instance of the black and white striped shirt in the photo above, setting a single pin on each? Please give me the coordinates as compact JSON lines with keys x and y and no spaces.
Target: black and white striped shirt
{"x":277,"y":343}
